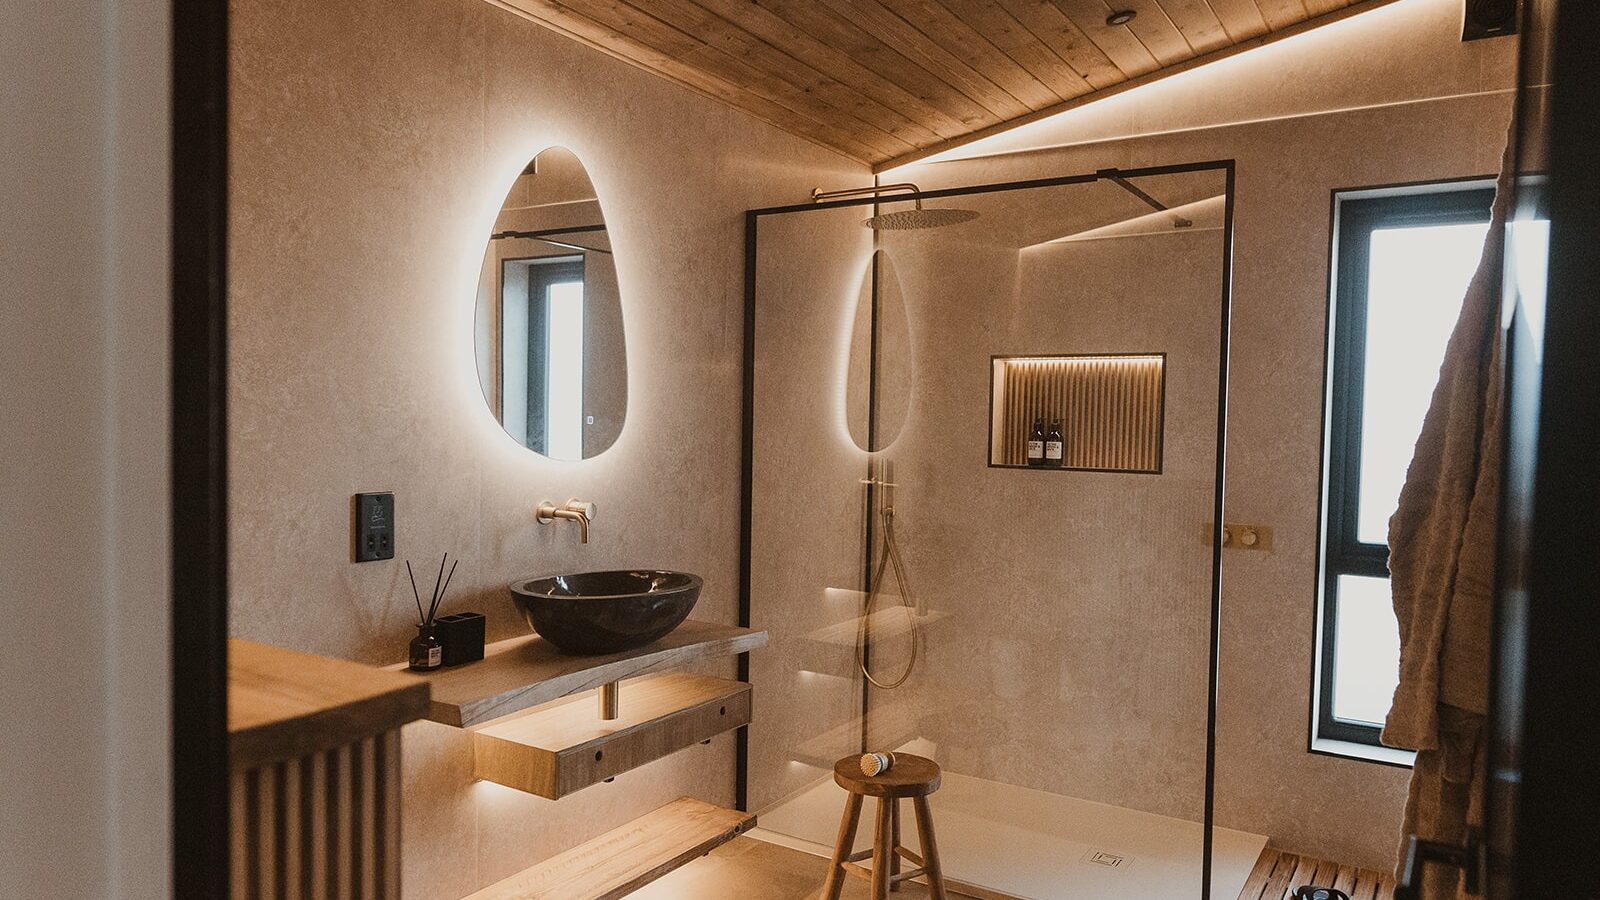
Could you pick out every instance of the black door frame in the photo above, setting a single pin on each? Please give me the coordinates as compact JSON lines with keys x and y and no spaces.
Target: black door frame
{"x":199,"y":498}
{"x":1544,"y":786}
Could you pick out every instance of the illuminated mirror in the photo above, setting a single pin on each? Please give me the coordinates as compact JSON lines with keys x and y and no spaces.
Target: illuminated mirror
{"x":550,"y":350}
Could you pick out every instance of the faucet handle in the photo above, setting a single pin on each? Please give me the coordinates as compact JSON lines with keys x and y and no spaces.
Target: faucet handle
{"x":585,"y":507}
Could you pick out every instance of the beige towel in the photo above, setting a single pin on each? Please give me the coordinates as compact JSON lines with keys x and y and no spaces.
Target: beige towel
{"x":1441,"y":566}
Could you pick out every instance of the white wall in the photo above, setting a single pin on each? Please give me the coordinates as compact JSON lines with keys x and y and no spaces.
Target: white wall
{"x":84,"y":756}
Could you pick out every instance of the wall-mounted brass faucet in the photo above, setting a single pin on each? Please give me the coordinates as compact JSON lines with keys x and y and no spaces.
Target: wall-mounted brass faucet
{"x":580,"y":511}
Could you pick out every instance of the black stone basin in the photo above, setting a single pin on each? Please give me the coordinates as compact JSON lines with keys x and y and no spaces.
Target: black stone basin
{"x":593,"y":613}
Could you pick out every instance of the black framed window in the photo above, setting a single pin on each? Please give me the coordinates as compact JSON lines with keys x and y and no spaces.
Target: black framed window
{"x":1402,"y":259}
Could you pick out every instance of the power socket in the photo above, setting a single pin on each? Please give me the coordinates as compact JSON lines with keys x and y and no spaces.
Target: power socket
{"x":374,"y":527}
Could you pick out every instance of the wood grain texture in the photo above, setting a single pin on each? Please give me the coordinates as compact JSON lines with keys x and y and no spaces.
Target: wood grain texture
{"x":884,"y":81}
{"x":910,"y":776}
{"x":522,"y":672}
{"x":284,"y":704}
{"x":627,"y":858}
{"x":1278,"y":875}
{"x":325,"y":826}
{"x":1294,"y":26}
{"x":558,"y":748}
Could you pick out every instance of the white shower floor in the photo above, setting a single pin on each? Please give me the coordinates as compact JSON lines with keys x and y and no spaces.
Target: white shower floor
{"x":1037,"y":845}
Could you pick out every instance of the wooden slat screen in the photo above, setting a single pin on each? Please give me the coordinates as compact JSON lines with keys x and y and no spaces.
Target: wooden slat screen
{"x":320,"y":827}
{"x":1110,"y":407}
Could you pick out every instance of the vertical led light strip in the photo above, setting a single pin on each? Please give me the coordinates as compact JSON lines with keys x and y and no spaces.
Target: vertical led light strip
{"x":564,"y":370}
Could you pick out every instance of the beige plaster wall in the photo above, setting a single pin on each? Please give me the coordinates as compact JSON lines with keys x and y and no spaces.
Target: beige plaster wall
{"x":807,"y":502}
{"x":1441,"y":111}
{"x":373,"y":143}
{"x":1067,"y":649}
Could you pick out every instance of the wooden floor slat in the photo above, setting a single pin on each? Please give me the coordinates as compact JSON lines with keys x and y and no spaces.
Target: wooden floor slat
{"x":1277,"y":875}
{"x":626,"y":858}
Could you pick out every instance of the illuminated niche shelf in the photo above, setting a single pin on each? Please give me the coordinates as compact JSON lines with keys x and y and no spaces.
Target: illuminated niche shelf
{"x":1112,"y":408}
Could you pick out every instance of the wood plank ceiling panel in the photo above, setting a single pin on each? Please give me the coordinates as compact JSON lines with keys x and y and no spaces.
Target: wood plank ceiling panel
{"x":902,"y":35}
{"x":1156,"y":31}
{"x":1241,"y":18}
{"x":889,"y":126}
{"x":935,"y":19}
{"x":946,"y":111}
{"x":1198,"y":23}
{"x":1117,"y":41}
{"x":1282,"y":13}
{"x":884,"y":81}
{"x":1051,"y":25}
{"x":1011,"y":37}
{"x":1323,"y":7}
{"x":623,"y":45}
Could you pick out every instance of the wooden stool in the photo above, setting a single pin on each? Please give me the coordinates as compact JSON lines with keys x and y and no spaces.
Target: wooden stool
{"x":911,"y":777}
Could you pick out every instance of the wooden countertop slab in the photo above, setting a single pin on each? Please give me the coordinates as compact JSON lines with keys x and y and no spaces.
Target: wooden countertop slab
{"x":284,"y":704}
{"x":526,"y":671}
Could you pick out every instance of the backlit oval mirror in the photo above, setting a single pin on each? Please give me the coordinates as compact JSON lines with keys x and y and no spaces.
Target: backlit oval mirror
{"x":550,"y":350}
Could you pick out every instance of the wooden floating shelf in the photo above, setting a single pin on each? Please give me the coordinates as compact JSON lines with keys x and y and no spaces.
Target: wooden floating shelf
{"x":625,"y":859}
{"x":285,"y":704}
{"x":526,"y":671}
{"x":564,"y":746}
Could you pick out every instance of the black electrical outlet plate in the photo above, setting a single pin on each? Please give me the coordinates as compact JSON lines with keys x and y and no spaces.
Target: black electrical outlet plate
{"x":374,"y":526}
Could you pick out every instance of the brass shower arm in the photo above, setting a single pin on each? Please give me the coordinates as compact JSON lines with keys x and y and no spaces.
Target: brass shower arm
{"x":819,"y":195}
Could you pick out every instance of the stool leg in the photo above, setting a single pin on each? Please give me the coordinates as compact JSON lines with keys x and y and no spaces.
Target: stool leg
{"x":847,"y":839}
{"x":894,"y":843}
{"x":882,"y":849}
{"x":930,"y":849}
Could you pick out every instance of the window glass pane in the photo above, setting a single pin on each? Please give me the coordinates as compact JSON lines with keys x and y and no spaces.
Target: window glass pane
{"x":564,"y":372}
{"x":1366,"y":652}
{"x":1417,"y":280}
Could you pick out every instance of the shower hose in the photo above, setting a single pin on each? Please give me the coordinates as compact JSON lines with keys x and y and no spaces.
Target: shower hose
{"x":891,"y":557}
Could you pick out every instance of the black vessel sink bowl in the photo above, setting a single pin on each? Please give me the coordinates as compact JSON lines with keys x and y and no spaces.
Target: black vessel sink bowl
{"x":593,"y":613}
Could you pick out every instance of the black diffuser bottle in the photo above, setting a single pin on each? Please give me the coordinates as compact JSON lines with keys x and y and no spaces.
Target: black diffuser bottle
{"x":427,"y":653}
{"x":1036,"y":443}
{"x":1054,"y":447}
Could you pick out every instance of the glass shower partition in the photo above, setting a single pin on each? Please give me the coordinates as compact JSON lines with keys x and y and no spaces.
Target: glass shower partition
{"x":982,"y":476}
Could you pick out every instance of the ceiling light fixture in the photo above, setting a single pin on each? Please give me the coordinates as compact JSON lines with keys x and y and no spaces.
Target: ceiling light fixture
{"x":1121,"y":17}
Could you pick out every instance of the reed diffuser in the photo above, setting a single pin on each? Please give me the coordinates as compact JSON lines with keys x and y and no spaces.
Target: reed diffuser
{"x":427,"y":654}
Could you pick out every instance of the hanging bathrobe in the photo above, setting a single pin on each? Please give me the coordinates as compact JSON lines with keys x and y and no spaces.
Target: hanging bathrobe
{"x":1442,"y":573}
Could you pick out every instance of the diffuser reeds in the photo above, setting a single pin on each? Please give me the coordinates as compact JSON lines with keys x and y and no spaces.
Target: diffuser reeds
{"x":441,"y":584}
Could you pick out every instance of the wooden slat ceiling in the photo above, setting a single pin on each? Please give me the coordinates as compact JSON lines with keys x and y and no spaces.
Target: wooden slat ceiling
{"x":889,"y":81}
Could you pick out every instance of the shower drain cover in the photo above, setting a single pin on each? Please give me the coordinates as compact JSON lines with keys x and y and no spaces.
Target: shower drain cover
{"x":1106,"y":858}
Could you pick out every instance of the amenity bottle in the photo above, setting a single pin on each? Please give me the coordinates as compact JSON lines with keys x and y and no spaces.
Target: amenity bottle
{"x":1036,"y":443}
{"x":1054,"y":446}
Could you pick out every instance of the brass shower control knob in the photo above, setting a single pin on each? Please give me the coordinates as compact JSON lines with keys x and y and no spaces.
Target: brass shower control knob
{"x":1238,"y":536}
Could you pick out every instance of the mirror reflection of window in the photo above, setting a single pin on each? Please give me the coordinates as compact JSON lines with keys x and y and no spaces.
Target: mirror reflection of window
{"x":542,"y":376}
{"x":563,"y":381}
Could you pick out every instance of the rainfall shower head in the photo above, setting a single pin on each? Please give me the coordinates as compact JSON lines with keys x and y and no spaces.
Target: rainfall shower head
{"x":918,"y":218}
{"x":906,"y":219}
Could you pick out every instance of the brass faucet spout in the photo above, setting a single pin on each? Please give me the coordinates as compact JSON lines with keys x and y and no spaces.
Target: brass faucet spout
{"x":575,"y":510}
{"x":580,"y":518}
